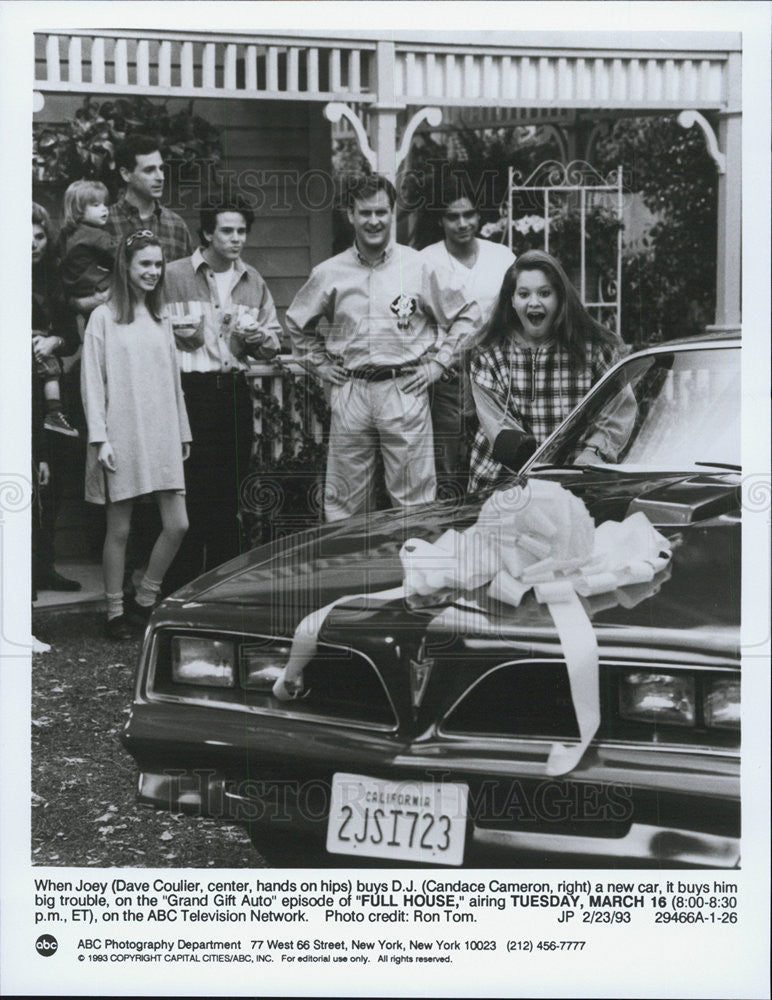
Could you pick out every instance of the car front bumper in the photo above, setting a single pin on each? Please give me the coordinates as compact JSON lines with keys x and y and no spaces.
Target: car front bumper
{"x":624,"y":806}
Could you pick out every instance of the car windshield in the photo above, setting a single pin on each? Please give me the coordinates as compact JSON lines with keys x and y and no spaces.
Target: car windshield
{"x":669,"y":410}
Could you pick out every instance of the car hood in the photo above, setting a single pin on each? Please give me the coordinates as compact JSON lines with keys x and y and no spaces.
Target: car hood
{"x":700,"y":588}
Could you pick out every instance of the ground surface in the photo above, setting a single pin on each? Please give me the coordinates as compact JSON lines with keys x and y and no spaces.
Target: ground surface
{"x":83,"y":782}
{"x":84,"y":811}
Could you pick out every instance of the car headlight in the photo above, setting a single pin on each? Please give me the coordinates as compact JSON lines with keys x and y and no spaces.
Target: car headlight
{"x":261,"y":666}
{"x":667,"y":699}
{"x":722,"y":703}
{"x":209,"y":662}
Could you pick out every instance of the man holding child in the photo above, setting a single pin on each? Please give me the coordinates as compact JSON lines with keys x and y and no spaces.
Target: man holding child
{"x":141,"y":167}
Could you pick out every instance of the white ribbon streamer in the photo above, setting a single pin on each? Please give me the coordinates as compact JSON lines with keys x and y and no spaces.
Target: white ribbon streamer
{"x":580,"y":649}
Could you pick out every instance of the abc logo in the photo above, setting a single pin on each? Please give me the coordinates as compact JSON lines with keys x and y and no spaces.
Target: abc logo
{"x":46,"y":945}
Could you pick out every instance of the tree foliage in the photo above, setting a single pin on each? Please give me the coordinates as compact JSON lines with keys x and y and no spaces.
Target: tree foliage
{"x":83,"y":148}
{"x":669,"y":289}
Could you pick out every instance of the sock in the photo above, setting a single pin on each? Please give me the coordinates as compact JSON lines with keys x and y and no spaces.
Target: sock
{"x":147,"y":591}
{"x":53,"y":405}
{"x":114,"y":605}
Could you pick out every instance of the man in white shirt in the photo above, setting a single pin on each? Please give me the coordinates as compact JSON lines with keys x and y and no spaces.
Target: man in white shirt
{"x":477,"y":268}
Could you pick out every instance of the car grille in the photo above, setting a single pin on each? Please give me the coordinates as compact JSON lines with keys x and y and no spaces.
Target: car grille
{"x":342,"y":686}
{"x":525,"y":699}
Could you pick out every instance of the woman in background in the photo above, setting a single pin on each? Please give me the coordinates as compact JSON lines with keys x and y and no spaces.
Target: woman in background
{"x":54,"y":335}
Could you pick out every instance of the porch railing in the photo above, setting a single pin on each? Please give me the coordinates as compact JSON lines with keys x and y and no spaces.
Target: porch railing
{"x":502,"y":72}
{"x":188,"y":64}
{"x":296,"y":421}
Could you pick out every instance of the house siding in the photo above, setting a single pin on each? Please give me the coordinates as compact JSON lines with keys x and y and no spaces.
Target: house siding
{"x":279,"y":154}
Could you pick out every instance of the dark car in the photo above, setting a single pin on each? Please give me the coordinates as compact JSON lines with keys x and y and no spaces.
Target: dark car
{"x":422,"y":727}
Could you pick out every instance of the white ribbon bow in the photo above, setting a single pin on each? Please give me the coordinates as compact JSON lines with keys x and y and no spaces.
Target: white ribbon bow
{"x":538,"y":537}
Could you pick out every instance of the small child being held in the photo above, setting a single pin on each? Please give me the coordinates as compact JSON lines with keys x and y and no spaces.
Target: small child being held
{"x":53,"y":329}
{"x":87,"y":250}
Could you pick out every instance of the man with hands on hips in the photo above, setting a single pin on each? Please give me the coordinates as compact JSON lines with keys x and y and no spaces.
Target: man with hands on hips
{"x":391,"y":330}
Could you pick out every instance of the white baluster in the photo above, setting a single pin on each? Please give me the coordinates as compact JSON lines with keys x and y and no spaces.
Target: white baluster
{"x":208,"y":67}
{"x":187,"y":72}
{"x":529,"y":84}
{"x":689,"y":90}
{"x":165,"y":64}
{"x":293,"y":69}
{"x":312,"y":83}
{"x":250,"y":67}
{"x":653,"y":80}
{"x":98,"y":61}
{"x":635,"y":80}
{"x":121,"y":57}
{"x":335,"y":85}
{"x":671,"y":80}
{"x":546,"y":81}
{"x":508,"y":78}
{"x":272,"y":69}
{"x":431,"y":75}
{"x":470,"y":77}
{"x":488,"y":82}
{"x":75,"y":60}
{"x":599,"y":80}
{"x":143,"y":63}
{"x":53,"y":67}
{"x":564,"y":79}
{"x":229,"y":72}
{"x":354,"y":72}
{"x":618,"y":80}
{"x":412,"y":81}
{"x":451,"y":87}
{"x":583,"y":82}
{"x":703,"y":85}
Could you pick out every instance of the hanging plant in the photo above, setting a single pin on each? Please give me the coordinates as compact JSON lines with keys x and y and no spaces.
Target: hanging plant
{"x":83,"y":148}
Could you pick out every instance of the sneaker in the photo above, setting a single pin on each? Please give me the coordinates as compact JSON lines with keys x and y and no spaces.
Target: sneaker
{"x":57,"y":421}
{"x":40,"y":647}
{"x":118,"y":628}
{"x":135,"y":612}
{"x":55,"y":581}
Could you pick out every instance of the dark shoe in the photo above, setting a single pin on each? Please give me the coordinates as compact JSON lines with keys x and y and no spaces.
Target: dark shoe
{"x":57,"y":421}
{"x":135,"y":612}
{"x":55,"y":581}
{"x":119,"y":628}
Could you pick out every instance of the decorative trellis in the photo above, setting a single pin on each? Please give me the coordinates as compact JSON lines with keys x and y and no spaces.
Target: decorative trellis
{"x":576,"y":214}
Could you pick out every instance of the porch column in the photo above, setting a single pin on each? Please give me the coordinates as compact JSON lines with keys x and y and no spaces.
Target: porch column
{"x":728,"y":258}
{"x":384,"y":111}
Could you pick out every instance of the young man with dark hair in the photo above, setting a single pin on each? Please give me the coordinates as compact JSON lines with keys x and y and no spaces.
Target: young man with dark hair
{"x":391,"y":331}
{"x":141,"y":167}
{"x":228,"y":304}
{"x":477,"y":267}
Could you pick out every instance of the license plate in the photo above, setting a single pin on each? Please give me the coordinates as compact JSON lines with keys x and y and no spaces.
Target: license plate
{"x":403,"y":820}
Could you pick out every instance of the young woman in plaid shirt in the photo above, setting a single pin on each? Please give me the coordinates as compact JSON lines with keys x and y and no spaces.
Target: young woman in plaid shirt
{"x":532,"y":363}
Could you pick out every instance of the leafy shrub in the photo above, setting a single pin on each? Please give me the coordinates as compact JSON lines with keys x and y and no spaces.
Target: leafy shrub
{"x":84,"y":147}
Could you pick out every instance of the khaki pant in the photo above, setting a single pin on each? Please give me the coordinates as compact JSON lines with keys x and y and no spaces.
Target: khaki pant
{"x":367,"y":415}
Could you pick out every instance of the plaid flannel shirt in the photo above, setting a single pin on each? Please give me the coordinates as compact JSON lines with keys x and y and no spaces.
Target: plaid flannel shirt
{"x":171,"y":231}
{"x":538,"y":388}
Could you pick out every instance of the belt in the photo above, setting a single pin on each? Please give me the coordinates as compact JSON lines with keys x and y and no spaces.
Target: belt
{"x":216,"y":380}
{"x":379,"y":373}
